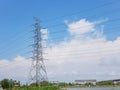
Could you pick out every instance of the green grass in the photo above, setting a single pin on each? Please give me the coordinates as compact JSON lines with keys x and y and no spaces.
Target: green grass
{"x":37,"y":88}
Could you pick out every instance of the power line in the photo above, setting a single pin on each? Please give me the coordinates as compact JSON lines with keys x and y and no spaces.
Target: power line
{"x":83,"y":11}
{"x":62,"y":24}
{"x":66,"y":49}
{"x":16,"y":36}
{"x":77,"y":49}
{"x":24,"y":34}
{"x":78,"y":35}
{"x":75,"y":54}
{"x":11,"y":44}
{"x":14,"y":63}
{"x":90,"y":54}
{"x":91,"y":16}
{"x":8,"y":51}
{"x":51,"y":33}
{"x":73,"y":50}
{"x":78,"y":53}
{"x":16,"y":39}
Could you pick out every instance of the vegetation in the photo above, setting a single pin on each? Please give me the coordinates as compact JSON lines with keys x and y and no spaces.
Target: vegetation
{"x":105,"y":83}
{"x":108,"y":83}
{"x":37,"y":88}
{"x":15,"y":85}
{"x":6,"y":84}
{"x":9,"y":84}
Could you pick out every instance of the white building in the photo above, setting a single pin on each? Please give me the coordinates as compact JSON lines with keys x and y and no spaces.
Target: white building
{"x":85,"y":82}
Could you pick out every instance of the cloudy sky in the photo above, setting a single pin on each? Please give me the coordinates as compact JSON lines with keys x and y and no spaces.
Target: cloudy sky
{"x":83,"y":39}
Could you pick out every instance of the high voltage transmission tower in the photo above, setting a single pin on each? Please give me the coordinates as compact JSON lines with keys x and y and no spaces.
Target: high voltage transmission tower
{"x":38,"y":72}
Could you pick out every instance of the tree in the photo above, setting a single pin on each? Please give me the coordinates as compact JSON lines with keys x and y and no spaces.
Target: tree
{"x":44,"y":83}
{"x":5,"y":83}
{"x":63,"y":84}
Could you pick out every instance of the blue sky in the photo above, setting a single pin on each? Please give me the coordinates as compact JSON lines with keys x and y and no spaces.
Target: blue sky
{"x":16,"y":20}
{"x":17,"y":16}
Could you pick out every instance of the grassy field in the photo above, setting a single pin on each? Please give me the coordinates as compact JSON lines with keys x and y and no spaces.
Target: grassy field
{"x":37,"y":88}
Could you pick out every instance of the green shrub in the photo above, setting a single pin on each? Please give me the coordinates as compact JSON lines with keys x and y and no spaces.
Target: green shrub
{"x":37,"y":88}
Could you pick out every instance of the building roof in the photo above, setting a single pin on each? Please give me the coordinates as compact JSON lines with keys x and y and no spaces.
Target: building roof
{"x":92,"y":80}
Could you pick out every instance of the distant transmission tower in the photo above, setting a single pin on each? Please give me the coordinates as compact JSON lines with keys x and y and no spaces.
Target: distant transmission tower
{"x":38,"y":70}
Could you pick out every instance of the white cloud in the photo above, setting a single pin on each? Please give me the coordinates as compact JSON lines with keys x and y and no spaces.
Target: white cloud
{"x":88,"y":57}
{"x":83,"y":57}
{"x":80,"y":27}
{"x":83,"y":26}
{"x":16,"y":69}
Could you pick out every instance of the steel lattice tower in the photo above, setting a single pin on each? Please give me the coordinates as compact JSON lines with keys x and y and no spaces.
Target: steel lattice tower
{"x":38,"y":69}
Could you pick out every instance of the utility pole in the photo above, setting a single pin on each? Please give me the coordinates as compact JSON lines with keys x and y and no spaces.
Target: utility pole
{"x":38,"y":72}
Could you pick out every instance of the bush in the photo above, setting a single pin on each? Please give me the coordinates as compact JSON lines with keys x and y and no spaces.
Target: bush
{"x":37,"y":88}
{"x":5,"y":83}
